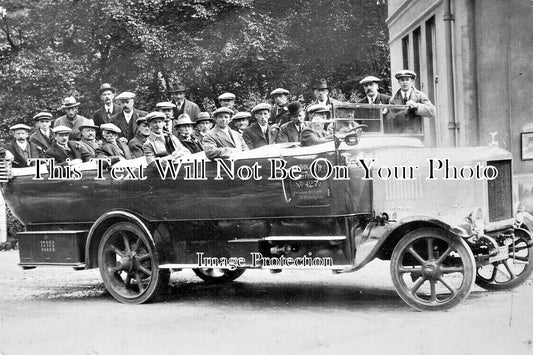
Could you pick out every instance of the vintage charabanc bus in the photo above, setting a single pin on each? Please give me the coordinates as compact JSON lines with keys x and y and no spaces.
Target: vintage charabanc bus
{"x":443,"y":217}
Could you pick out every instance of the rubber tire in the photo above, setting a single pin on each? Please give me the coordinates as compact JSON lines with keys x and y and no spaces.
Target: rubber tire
{"x":159,"y":279}
{"x":228,"y":276}
{"x":458,"y":244}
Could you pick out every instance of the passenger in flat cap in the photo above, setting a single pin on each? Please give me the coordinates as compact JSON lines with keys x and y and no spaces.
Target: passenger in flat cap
{"x":177,"y":94}
{"x":280,"y":113}
{"x":111,"y":147}
{"x":315,"y":133}
{"x":161,"y":144}
{"x":71,"y":119}
{"x":410,"y":120}
{"x":372,"y":95}
{"x":227,"y":100}
{"x":107,"y":109}
{"x":168,"y":108}
{"x":203,"y":124}
{"x":127,"y":118}
{"x":21,"y":150}
{"x":240,"y":121}
{"x":290,"y":131}
{"x":185,"y":127}
{"x":62,"y":150}
{"x":137,"y":142}
{"x":43,"y":137}
{"x":260,"y":133}
{"x":222,"y":141}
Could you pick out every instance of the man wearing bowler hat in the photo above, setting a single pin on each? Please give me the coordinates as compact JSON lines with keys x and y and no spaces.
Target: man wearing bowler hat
{"x":290,"y":131}
{"x":410,"y":120}
{"x":21,"y":149}
{"x":280,"y":113}
{"x":222,"y":141}
{"x":62,"y":150}
{"x":185,"y":129}
{"x":111,"y":147}
{"x":371,"y":87}
{"x":109,"y":109}
{"x":137,"y":142}
{"x":126,"y":120}
{"x":177,"y":94}
{"x":260,"y":133}
{"x":204,"y":123}
{"x":43,"y":137}
{"x":71,"y":119}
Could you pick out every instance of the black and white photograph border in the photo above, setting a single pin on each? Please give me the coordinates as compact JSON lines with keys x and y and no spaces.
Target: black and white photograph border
{"x":403,"y":228}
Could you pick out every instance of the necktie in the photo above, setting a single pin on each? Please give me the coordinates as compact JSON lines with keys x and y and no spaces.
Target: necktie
{"x":168,"y":144}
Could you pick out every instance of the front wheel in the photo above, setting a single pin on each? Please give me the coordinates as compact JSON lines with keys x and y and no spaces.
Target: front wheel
{"x":432,"y":269}
{"x":129,"y":266}
{"x":218,"y":276}
{"x":512,"y":272}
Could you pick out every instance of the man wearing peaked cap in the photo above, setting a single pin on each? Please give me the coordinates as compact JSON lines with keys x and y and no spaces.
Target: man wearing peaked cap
{"x":279,"y":114}
{"x":168,"y":109}
{"x":227,"y":99}
{"x":126,"y":120}
{"x":260,"y":133}
{"x":222,"y":141}
{"x":409,"y":120}
{"x":290,"y":131}
{"x":106,"y":93}
{"x":71,"y":119}
{"x":63,"y":150}
{"x":160,"y":144}
{"x":240,"y":121}
{"x":177,"y":94}
{"x":315,"y":134}
{"x":185,"y":128}
{"x":372,"y":96}
{"x":21,"y":150}
{"x":137,"y":142}
{"x":204,"y":123}
{"x":42,"y":138}
{"x":111,"y":147}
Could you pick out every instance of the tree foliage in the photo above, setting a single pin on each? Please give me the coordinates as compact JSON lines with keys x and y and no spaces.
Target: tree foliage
{"x":51,"y":49}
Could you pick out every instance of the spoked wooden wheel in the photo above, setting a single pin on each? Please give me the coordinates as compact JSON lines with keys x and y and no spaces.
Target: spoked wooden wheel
{"x":218,"y":276}
{"x":511,"y":272}
{"x":432,"y":269}
{"x":129,"y":266}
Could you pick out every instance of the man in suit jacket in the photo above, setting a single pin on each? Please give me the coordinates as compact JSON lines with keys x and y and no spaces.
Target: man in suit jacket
{"x":88,"y":140}
{"x":409,"y":120}
{"x":222,"y":141}
{"x":315,"y":134}
{"x":112,"y":147}
{"x":161,"y":144}
{"x":290,"y":131}
{"x":203,"y":124}
{"x":43,"y":137}
{"x":127,"y":118}
{"x":321,"y":92}
{"x":63,"y":148}
{"x":137,"y":142}
{"x":21,"y":149}
{"x":177,"y":94}
{"x":71,"y":119}
{"x":240,"y":121}
{"x":373,"y":96}
{"x":108,"y":109}
{"x":185,"y":129}
{"x":260,"y":133}
{"x":279,"y":114}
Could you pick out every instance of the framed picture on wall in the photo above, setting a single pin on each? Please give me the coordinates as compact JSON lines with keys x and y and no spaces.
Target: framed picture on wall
{"x":526,"y":144}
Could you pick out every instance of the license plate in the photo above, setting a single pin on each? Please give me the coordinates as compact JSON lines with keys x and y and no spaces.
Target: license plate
{"x":503,"y":253}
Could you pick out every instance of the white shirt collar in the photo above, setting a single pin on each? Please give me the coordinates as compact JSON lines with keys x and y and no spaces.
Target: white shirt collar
{"x":22,"y":146}
{"x":127,"y":116}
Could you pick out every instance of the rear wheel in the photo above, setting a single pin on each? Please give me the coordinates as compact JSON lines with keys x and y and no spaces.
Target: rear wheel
{"x":129,"y":266}
{"x":218,"y":276}
{"x":512,"y":272}
{"x":432,"y":269}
